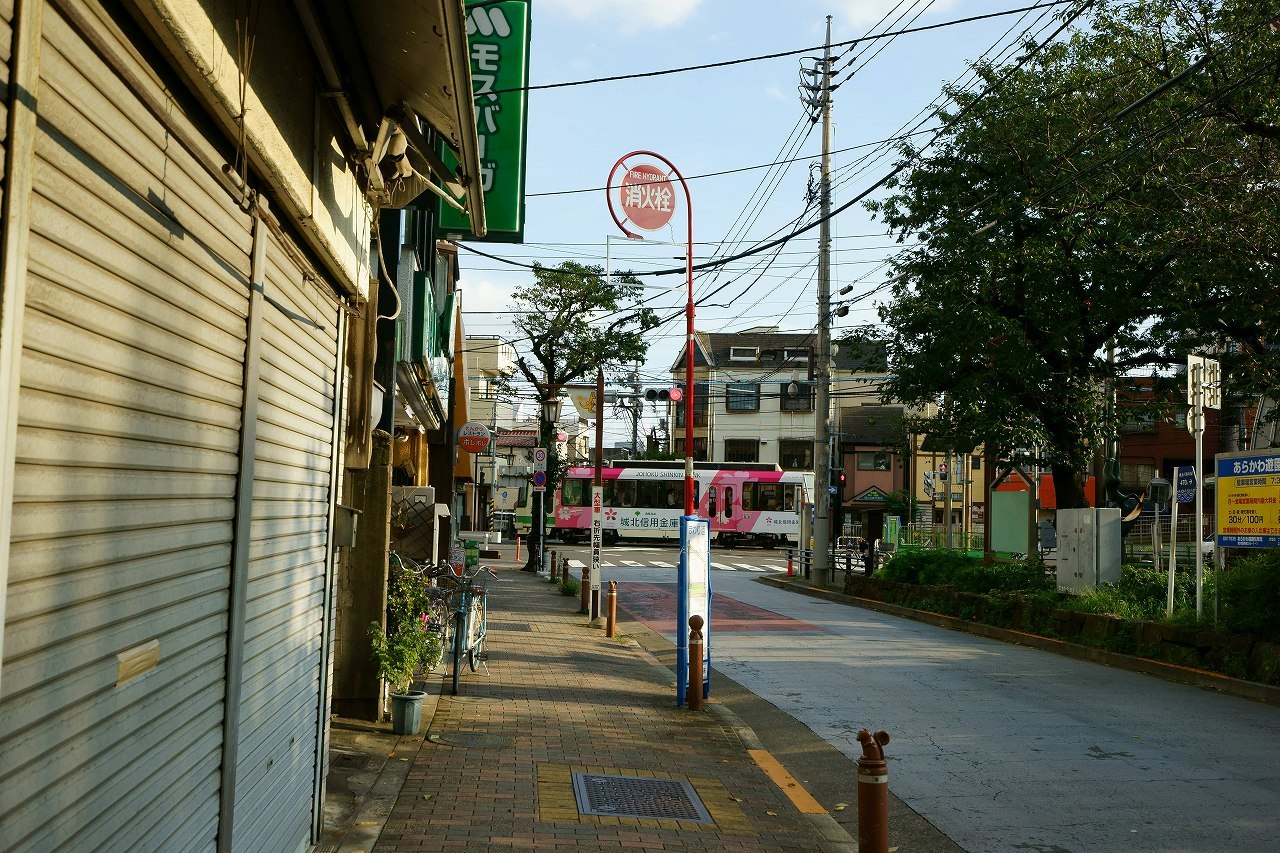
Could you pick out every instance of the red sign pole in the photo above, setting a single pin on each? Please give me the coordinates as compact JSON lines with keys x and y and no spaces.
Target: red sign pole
{"x":649,"y":184}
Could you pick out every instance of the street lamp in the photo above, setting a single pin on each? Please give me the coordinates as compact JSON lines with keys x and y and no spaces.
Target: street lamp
{"x":550,"y":416}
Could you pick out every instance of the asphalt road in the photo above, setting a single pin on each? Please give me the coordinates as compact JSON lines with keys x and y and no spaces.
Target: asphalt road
{"x":1000,"y":747}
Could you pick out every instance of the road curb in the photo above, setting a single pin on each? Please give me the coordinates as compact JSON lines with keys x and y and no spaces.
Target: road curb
{"x":1265,"y":693}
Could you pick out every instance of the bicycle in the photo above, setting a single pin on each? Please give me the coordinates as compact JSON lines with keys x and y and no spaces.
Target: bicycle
{"x":470,"y":619}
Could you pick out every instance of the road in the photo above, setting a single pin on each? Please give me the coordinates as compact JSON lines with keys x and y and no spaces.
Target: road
{"x":1001,"y":747}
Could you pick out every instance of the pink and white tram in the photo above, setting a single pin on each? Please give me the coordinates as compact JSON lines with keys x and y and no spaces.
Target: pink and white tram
{"x":746,"y":502}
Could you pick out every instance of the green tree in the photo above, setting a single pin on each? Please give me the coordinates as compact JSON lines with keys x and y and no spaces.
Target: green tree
{"x":1063,"y":243}
{"x":572,"y":321}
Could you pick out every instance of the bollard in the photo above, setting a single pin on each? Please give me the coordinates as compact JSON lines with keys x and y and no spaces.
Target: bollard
{"x":611,"y":609}
{"x":585,"y":589}
{"x":696,"y":652}
{"x":791,"y":568}
{"x":554,"y":556}
{"x":517,"y":549}
{"x":873,"y":794}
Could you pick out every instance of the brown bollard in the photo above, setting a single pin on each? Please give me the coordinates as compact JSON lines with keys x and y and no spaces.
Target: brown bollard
{"x":873,"y":794}
{"x":611,"y":609}
{"x":585,"y":589}
{"x":554,"y":556}
{"x":696,"y":652}
{"x":517,"y":558}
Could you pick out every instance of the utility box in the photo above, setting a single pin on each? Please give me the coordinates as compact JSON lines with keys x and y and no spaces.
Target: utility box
{"x":1089,"y":548}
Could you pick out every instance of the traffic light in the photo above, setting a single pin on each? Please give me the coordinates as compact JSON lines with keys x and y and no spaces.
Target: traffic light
{"x":663,"y":395}
{"x":942,"y":472}
{"x":841,"y":478}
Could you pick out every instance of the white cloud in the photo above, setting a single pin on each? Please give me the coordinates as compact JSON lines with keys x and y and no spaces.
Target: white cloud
{"x":628,"y":15}
{"x":854,"y":16}
{"x":775,"y":93}
{"x":481,"y":294}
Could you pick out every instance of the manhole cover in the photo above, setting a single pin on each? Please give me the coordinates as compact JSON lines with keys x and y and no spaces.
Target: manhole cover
{"x":472,"y":740}
{"x":510,"y":626}
{"x":629,"y":796}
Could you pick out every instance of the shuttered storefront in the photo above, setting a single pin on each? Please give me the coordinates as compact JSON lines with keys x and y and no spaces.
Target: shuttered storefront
{"x":289,"y":583}
{"x":123,"y":580}
{"x":129,"y":423}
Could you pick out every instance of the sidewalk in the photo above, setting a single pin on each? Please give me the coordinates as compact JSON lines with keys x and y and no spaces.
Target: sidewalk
{"x":496,"y":767}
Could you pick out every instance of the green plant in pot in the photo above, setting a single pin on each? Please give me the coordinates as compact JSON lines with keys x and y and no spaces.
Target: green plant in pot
{"x":403,"y":648}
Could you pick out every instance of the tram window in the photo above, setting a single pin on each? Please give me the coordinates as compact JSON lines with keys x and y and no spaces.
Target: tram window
{"x":789,"y":498}
{"x":711,"y":502}
{"x":671,"y":498}
{"x":770,"y":499}
{"x":625,"y":494}
{"x":728,"y":501}
{"x":573,"y":493}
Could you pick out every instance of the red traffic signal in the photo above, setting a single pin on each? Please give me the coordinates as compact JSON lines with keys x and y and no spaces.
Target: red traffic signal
{"x":663,"y":395}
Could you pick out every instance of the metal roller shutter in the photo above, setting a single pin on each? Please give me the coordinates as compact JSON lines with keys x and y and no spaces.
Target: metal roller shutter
{"x":288,"y":594}
{"x":126,"y":471}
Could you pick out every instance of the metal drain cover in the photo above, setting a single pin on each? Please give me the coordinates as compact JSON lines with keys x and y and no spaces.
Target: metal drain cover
{"x":630,"y":796}
{"x":510,"y":626}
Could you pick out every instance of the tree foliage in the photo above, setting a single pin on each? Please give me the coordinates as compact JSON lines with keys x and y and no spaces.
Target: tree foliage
{"x":1050,"y":233}
{"x":573,"y":320}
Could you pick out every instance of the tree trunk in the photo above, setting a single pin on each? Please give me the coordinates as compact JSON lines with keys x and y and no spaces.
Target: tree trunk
{"x":1068,"y":486}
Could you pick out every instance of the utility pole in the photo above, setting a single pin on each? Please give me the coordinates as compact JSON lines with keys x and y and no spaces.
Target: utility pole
{"x":822,"y":433}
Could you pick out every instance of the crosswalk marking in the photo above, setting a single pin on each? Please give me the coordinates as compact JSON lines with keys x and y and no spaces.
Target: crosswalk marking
{"x":631,"y":563}
{"x":662,"y":565}
{"x":724,"y":566}
{"x":750,"y":568}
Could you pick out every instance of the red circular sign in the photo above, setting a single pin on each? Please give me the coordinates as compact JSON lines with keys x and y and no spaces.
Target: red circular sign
{"x":647,"y":196}
{"x":473,"y":437}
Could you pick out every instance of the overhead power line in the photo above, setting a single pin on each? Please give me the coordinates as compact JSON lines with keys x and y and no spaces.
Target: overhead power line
{"x":762,"y":57}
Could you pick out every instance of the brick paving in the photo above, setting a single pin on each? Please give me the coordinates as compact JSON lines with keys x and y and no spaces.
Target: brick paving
{"x":494,"y":772}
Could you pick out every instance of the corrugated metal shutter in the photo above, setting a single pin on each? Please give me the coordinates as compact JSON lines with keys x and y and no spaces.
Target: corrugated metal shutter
{"x":129,"y":422}
{"x":287,"y":596}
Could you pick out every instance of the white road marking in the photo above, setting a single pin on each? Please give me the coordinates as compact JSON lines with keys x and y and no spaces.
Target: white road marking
{"x":630,"y":563}
{"x":750,"y":568}
{"x":661,"y":565}
{"x":727,"y":568}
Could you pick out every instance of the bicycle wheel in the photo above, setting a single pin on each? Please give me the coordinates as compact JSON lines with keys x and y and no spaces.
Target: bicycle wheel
{"x":459,"y":639}
{"x":475,"y":633}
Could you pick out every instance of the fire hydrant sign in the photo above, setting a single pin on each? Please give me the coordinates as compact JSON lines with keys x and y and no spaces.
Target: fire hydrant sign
{"x":1248,"y":499}
{"x":648,"y":200}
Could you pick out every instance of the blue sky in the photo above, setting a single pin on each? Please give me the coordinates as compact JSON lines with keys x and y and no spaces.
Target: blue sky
{"x":720,"y":119}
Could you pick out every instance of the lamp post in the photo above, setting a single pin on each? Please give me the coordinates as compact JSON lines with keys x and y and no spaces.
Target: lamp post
{"x":549,"y":415}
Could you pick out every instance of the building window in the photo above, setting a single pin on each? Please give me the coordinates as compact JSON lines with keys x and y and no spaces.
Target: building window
{"x":744,"y":353}
{"x":795,"y":354}
{"x":742,"y":397}
{"x":795,"y":454}
{"x":873,"y":460}
{"x":699,"y":449}
{"x":1135,"y":476}
{"x":741,"y":450}
{"x":699,"y":406}
{"x":800,"y":401}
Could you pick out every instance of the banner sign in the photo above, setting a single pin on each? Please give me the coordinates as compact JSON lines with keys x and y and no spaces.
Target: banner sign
{"x":498,"y":36}
{"x":1248,"y":499}
{"x":584,"y":400}
{"x":597,"y":534}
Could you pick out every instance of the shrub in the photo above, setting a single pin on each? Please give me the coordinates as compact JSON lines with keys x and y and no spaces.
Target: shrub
{"x":1250,"y":595}
{"x":569,"y":587}
{"x":966,"y":574}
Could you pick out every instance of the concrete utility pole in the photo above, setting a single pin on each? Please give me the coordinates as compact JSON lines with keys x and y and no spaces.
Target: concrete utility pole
{"x":822,"y":372}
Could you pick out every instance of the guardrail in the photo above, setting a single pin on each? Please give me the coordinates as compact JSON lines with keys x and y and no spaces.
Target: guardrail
{"x":847,"y":559}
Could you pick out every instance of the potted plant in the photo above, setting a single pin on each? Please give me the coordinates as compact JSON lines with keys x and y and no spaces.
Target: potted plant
{"x":404,"y":646}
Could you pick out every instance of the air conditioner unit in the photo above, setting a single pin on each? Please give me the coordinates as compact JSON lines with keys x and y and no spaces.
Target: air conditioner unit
{"x":516,"y":470}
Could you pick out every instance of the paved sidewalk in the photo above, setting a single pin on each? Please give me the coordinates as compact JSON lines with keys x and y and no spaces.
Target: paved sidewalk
{"x":495,"y":769}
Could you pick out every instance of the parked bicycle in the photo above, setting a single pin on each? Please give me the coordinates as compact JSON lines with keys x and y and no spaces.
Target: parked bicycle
{"x":470,"y":618}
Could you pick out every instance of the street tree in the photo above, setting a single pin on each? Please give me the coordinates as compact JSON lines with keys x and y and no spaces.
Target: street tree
{"x":1068,"y":233}
{"x":571,"y":321}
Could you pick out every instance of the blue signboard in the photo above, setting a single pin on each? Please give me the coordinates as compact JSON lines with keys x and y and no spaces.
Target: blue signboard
{"x":1185,"y":477}
{"x":693,"y":596}
{"x":1248,"y":499}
